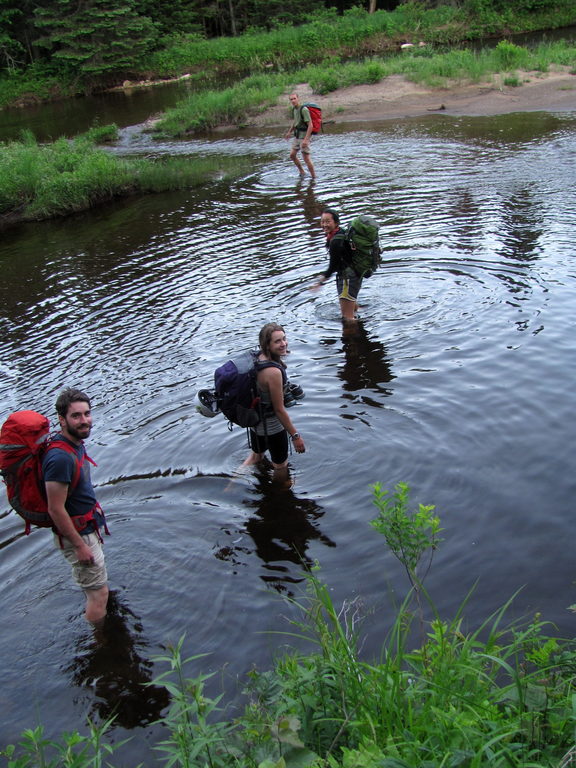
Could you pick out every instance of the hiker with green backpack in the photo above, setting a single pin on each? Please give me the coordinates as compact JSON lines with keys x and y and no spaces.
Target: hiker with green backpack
{"x":301,"y":128}
{"x":354,"y":254}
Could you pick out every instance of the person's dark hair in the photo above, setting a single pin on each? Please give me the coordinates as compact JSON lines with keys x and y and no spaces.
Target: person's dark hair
{"x":67,"y":397}
{"x":265,"y":336}
{"x":332,"y":213}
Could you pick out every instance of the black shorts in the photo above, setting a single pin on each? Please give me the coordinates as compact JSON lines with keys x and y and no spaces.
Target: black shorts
{"x":277,"y":444}
{"x":348,"y":284}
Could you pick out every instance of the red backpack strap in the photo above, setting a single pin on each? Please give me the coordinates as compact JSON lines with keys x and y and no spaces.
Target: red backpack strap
{"x":80,"y":521}
{"x":64,"y":446}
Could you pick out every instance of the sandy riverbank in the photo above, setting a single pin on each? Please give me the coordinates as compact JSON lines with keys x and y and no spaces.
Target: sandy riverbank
{"x":395,"y":97}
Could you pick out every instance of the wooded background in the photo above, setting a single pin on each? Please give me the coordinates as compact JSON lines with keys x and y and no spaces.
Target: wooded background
{"x":93,"y":37}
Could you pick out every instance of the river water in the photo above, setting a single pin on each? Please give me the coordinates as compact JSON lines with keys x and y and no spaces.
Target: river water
{"x":458,"y":380}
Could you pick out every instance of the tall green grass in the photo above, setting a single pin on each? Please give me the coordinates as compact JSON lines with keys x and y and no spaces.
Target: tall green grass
{"x":42,"y":181}
{"x":425,"y":66}
{"x":208,"y":109}
{"x":501,"y":694}
{"x":326,"y":34}
{"x":283,"y":48}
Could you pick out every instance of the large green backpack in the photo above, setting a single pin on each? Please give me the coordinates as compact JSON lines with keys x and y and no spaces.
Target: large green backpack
{"x":362,"y":238}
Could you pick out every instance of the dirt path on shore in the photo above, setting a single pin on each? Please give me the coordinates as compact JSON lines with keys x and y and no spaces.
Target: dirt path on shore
{"x":396,"y":97}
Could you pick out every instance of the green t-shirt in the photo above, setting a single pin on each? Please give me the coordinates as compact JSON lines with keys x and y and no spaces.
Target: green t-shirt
{"x":301,"y":119}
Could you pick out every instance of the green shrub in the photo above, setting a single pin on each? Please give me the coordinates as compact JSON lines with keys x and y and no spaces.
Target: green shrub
{"x":509,"y":56}
{"x":326,"y":81}
{"x":512,"y":81}
{"x":103,"y":134}
{"x":374,"y":71}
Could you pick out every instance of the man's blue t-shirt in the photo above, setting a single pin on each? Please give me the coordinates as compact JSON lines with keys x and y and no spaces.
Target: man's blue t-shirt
{"x":60,"y":466}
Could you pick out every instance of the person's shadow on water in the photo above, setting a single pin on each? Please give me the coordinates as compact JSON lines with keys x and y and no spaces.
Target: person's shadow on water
{"x":311,"y":206}
{"x":109,"y":663}
{"x":366,"y":366}
{"x":282,"y":527}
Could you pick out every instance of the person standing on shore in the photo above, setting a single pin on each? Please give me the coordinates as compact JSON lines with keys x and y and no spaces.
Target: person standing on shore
{"x":348,"y":282}
{"x":301,"y":130}
{"x":78,"y":518}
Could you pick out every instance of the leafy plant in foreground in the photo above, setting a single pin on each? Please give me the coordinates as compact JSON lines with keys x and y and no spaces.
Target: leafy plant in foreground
{"x":72,"y":751}
{"x":199,"y":737}
{"x":502,"y":695}
{"x":193,"y":740}
{"x":409,"y":536}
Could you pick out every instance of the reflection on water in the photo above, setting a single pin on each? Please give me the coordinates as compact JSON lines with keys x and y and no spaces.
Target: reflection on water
{"x":522,"y":228}
{"x":311,"y":207}
{"x":457,"y":379}
{"x":365,"y":361}
{"x":282,"y":525}
{"x":70,"y":117}
{"x":110,"y":665}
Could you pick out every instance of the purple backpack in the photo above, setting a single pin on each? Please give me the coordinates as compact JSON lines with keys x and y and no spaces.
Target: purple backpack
{"x":236,"y":390}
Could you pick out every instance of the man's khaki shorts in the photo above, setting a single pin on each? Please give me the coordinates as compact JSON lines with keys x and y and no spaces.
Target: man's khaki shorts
{"x":297,"y":145}
{"x":86,"y":576}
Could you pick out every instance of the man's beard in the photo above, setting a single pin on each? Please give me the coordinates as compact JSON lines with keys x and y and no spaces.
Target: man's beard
{"x":79,"y":434}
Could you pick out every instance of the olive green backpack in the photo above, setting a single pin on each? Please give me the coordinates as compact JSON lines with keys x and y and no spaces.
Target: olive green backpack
{"x":364,"y":244}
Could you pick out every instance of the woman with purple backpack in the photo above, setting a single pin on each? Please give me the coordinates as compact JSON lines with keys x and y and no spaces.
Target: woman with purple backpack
{"x":276,"y":427}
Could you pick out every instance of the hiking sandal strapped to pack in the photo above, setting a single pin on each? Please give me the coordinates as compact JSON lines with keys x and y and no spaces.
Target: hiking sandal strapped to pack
{"x":235,"y":391}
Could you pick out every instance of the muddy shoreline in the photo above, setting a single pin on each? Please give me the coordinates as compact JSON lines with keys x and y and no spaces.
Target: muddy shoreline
{"x":395,"y":97}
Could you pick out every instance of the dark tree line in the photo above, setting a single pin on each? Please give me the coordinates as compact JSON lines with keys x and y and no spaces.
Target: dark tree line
{"x":91,"y":38}
{"x":230,"y":17}
{"x":87,"y":36}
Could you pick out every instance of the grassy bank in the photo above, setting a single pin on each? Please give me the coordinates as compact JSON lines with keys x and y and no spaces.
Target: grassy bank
{"x":424,"y":66}
{"x":43,"y":181}
{"x":437,"y":696}
{"x":229,"y":106}
{"x":356,"y":33}
{"x":323,"y":38}
{"x":207,"y":109}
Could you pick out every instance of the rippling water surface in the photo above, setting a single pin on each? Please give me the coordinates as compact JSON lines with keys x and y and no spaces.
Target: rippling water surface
{"x":458,"y":380}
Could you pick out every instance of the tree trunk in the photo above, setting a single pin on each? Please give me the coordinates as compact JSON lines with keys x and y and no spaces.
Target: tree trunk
{"x":372,"y":6}
{"x":233,"y":19}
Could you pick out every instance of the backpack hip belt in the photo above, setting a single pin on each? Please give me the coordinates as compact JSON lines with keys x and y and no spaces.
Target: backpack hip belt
{"x":81,"y":522}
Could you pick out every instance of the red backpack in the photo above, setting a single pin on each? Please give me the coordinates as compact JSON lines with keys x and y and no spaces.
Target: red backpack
{"x":24,"y":440}
{"x":315,"y":116}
